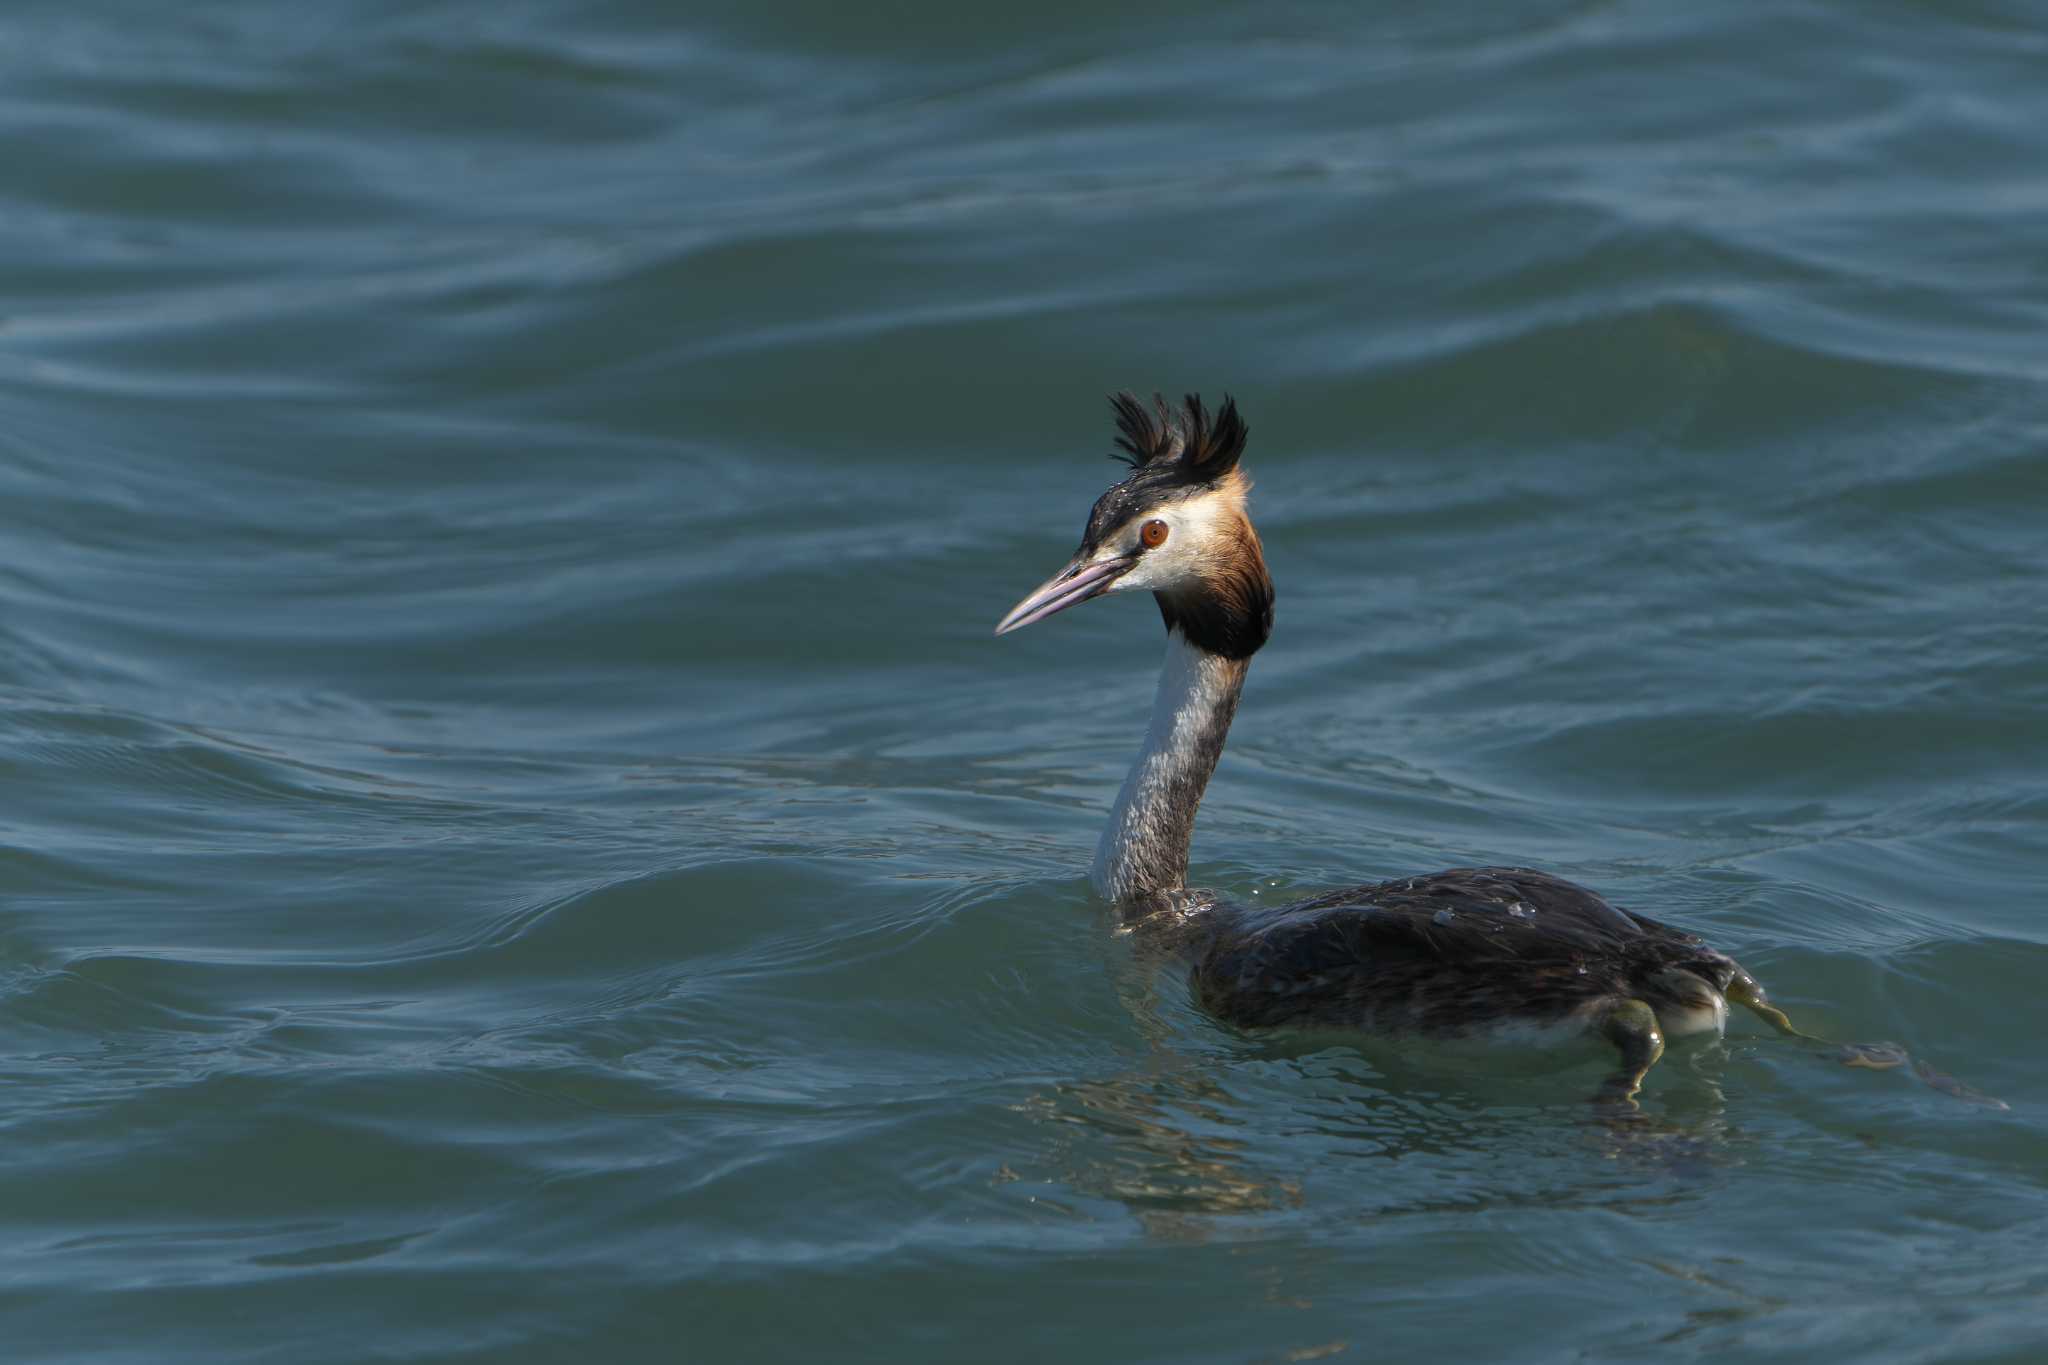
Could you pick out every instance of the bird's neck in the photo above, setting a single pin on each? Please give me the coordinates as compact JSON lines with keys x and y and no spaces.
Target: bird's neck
{"x":1144,"y":848}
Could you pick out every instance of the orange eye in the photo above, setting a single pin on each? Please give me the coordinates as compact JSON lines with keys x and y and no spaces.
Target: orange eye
{"x":1153,"y":533}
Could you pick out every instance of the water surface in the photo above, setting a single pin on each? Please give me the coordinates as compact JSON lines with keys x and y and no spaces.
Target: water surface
{"x":517,"y":843}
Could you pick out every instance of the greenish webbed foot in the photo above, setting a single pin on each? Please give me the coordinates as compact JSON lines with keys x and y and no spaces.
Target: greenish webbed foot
{"x":1628,"y":1134}
{"x":1632,"y":1027}
{"x":1744,"y":991}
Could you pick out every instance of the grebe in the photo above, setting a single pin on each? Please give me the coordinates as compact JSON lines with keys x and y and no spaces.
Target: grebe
{"x":1462,"y":952}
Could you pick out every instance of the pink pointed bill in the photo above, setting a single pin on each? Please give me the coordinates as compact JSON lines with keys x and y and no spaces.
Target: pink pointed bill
{"x":1069,"y":587}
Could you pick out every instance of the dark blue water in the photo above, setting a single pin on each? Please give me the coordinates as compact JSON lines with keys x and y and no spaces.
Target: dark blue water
{"x":516,"y":843}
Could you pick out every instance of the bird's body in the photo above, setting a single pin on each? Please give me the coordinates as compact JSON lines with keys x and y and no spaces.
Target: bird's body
{"x":1470,"y":950}
{"x":1459,"y":953}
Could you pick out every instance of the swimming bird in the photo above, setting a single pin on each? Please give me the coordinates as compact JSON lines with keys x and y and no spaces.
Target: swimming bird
{"x":1468,"y":951}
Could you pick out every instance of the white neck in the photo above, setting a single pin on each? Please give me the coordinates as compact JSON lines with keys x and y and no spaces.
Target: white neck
{"x":1144,"y":848}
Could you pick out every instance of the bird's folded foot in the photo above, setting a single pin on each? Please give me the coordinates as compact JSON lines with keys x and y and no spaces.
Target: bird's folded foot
{"x":1876,"y":1056}
{"x":1890,"y":1056}
{"x":1950,"y":1086}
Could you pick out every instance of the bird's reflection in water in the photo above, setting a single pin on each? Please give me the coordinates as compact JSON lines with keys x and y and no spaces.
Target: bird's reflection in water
{"x":1491,"y":1137}
{"x":1194,"y":1137}
{"x":1170,"y":1158}
{"x":1163,"y":1159}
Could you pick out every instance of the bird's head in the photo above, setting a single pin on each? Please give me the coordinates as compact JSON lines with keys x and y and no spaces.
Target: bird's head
{"x":1175,"y":526}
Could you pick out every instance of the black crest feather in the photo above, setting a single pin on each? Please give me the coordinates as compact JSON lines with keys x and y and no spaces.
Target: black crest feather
{"x":1145,"y":436}
{"x":1171,"y":455}
{"x":1206,"y":447}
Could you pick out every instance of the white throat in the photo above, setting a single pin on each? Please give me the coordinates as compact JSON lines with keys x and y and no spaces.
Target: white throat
{"x":1144,"y":848}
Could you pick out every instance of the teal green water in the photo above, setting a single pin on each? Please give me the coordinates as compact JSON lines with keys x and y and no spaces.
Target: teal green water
{"x":516,"y":843}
